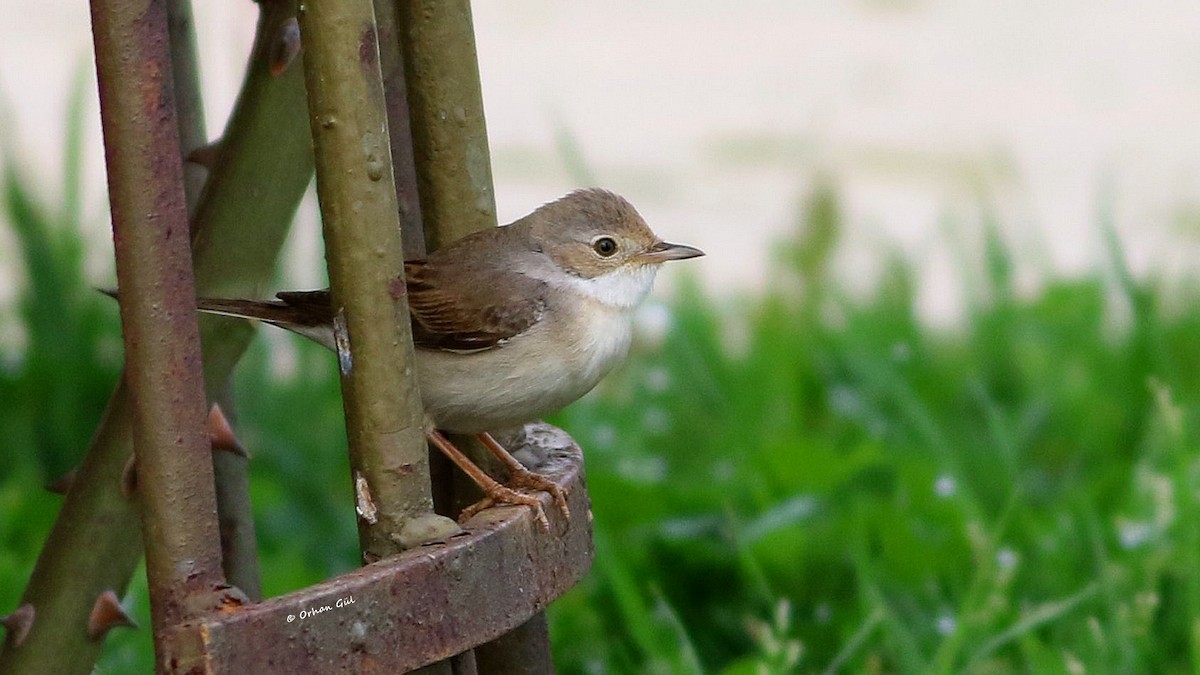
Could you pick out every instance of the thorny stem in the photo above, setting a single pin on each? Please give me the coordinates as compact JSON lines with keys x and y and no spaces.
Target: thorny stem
{"x":239,"y":225}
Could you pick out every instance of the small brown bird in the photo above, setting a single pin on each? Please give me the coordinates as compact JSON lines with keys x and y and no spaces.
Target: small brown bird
{"x":511,"y":323}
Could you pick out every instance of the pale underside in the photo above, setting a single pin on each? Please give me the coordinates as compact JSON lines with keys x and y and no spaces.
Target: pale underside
{"x":582,"y":334}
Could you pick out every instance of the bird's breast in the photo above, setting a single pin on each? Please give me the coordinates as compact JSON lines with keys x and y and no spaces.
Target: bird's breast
{"x":532,"y":375}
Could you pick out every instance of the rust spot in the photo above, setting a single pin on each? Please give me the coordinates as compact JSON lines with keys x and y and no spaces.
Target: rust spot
{"x":368,"y":48}
{"x":230,"y":602}
{"x":397,"y":288}
{"x":152,"y":89}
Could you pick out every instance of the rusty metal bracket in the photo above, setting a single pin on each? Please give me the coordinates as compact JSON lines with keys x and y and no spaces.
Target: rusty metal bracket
{"x":416,"y":608}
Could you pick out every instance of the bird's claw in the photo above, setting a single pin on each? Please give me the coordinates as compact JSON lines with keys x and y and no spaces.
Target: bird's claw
{"x":525,"y":478}
{"x":501,"y":494}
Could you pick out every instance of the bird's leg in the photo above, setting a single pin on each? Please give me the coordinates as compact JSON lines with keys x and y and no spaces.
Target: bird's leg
{"x":519,"y":476}
{"x":494,"y":492}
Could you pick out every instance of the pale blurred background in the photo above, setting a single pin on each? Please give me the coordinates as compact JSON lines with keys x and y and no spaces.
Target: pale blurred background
{"x":715,"y":117}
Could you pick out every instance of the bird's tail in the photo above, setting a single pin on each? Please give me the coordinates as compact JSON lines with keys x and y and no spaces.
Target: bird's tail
{"x":268,"y":311}
{"x":306,"y":314}
{"x":312,"y":319}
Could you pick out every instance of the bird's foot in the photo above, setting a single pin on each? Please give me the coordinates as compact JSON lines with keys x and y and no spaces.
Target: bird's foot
{"x":498,"y":494}
{"x":524,"y":478}
{"x":495,"y":493}
{"x":520,"y":477}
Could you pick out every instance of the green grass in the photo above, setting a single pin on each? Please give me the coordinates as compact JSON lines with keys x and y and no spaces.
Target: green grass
{"x":800,"y":481}
{"x":1015,"y":495}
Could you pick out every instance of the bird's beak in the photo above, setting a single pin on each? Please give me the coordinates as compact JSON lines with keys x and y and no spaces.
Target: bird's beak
{"x":664,"y":251}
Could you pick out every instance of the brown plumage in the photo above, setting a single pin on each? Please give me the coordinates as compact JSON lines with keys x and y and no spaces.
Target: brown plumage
{"x":446,"y":311}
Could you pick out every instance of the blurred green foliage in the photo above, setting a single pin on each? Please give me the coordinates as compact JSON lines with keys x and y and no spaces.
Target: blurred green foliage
{"x":800,"y":481}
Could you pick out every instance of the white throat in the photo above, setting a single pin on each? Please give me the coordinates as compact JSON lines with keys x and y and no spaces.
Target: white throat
{"x":623,"y":288}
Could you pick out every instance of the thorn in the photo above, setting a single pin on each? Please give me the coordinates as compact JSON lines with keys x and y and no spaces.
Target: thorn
{"x":107,"y":614}
{"x":63,"y":485}
{"x":221,"y":434}
{"x":19,"y":623}
{"x":285,"y":48}
{"x":206,"y":155}
{"x":129,"y":481}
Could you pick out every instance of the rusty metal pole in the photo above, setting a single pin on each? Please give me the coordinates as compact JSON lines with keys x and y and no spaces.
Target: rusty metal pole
{"x":231,"y":471}
{"x":384,"y":416}
{"x":95,"y":544}
{"x":454,"y":174}
{"x":158,"y":317}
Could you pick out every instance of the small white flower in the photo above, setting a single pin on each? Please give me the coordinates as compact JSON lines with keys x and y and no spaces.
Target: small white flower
{"x":643,"y":469}
{"x":723,"y":471}
{"x":1006,"y":559}
{"x":656,"y":420}
{"x":14,"y":341}
{"x":823,"y":613}
{"x":1132,"y":533}
{"x":604,"y":436}
{"x":658,"y":379}
{"x":845,"y":401}
{"x":946,"y":624}
{"x":945,"y":486}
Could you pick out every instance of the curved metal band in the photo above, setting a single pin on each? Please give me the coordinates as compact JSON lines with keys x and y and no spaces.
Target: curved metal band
{"x":416,"y":608}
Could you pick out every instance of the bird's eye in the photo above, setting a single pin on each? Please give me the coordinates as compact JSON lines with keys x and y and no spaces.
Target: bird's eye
{"x":605,"y":246}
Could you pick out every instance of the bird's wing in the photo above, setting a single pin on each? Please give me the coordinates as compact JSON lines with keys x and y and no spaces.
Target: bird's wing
{"x":447,"y":313}
{"x":468,"y":312}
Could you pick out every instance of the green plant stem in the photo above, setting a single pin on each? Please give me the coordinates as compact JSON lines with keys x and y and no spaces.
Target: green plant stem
{"x":189,"y":108}
{"x":404,"y":172}
{"x":454,"y":168}
{"x":384,"y":416}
